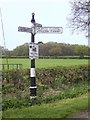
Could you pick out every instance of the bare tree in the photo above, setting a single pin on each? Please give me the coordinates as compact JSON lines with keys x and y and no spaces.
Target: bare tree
{"x":79,"y":19}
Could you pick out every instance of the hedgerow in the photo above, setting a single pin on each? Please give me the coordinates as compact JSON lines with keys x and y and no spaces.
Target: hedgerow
{"x":65,"y":83}
{"x":53,"y":76}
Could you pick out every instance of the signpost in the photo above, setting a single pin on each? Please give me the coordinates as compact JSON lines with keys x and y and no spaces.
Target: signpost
{"x":52,"y":30}
{"x":33,"y":48}
{"x":24,"y":29}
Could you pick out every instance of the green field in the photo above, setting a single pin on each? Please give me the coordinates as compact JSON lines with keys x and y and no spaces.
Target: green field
{"x":47,"y":63}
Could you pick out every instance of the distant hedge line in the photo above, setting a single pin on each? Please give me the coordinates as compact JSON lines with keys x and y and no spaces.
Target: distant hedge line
{"x":52,"y":57}
{"x":64,"y":57}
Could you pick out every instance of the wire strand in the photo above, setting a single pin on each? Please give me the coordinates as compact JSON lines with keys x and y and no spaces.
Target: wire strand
{"x":2,"y":29}
{"x":3,"y":35}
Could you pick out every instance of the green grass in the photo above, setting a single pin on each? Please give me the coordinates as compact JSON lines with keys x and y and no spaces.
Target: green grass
{"x":57,"y":109}
{"x":47,"y":63}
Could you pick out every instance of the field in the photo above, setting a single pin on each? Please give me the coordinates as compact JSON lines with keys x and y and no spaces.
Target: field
{"x":47,"y":63}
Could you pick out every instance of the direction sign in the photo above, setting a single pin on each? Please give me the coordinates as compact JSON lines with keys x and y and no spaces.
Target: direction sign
{"x":33,"y":50}
{"x":38,"y":25}
{"x":24,"y":29}
{"x":53,"y":30}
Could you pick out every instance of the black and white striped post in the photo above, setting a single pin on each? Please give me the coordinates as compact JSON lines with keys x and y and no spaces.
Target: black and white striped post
{"x":33,"y":48}
{"x":33,"y":86}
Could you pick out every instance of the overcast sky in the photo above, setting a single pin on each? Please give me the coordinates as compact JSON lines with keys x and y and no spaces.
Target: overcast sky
{"x":47,"y":12}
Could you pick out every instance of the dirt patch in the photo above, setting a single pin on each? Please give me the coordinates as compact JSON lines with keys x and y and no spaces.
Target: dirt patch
{"x":81,"y":114}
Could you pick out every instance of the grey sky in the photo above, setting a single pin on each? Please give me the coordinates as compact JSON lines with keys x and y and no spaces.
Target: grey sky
{"x":47,"y":12}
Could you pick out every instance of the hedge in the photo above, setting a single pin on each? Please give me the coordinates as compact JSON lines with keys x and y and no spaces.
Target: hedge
{"x":50,"y":57}
{"x":52,"y":76}
{"x":70,"y":82}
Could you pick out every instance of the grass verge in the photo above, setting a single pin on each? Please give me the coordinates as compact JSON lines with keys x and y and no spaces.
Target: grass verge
{"x":57,"y":109}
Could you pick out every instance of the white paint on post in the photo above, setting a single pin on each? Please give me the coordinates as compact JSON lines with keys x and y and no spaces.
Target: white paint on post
{"x":32,"y":72}
{"x":33,"y":97}
{"x":32,"y":87}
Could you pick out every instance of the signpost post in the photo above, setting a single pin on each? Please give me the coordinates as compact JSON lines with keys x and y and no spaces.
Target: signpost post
{"x":33,"y":48}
